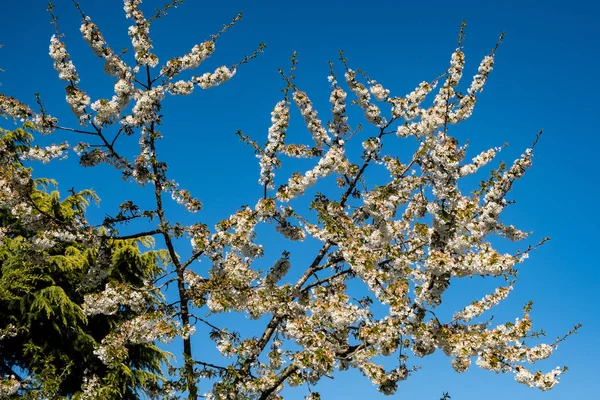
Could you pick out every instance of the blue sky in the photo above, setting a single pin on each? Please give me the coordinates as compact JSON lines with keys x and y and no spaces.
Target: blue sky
{"x":545,"y":77}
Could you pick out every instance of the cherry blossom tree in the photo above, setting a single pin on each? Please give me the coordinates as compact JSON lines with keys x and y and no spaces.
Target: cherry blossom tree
{"x":402,"y":241}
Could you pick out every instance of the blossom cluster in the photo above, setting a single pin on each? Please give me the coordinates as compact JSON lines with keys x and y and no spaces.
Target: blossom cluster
{"x":191,"y":60}
{"x":479,"y":307}
{"x":112,"y":298}
{"x":48,"y":153}
{"x":62,"y":62}
{"x":268,"y":159}
{"x":339,"y":122}
{"x":9,"y":385}
{"x":310,"y":117}
{"x":145,"y":328}
{"x":209,"y":80}
{"x":333,"y":160}
{"x":139,"y":34}
{"x":467,"y":103}
{"x":13,"y":108}
{"x":430,"y":120}
{"x":372,"y":112}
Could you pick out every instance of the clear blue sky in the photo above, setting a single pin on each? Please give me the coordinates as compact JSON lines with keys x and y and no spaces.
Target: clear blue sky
{"x":546,"y":76}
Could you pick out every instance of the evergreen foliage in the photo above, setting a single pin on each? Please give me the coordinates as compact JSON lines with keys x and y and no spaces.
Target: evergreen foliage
{"x":46,"y":270}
